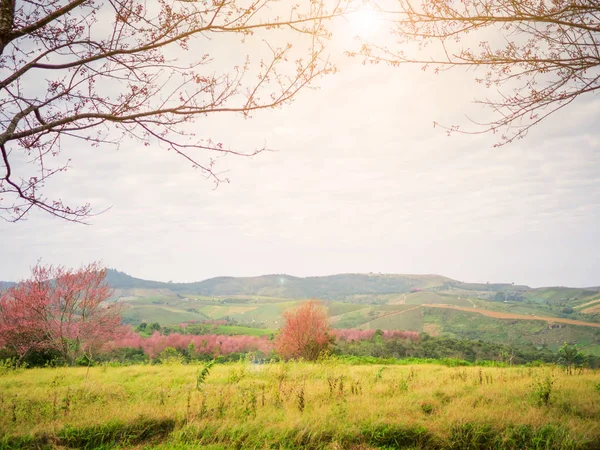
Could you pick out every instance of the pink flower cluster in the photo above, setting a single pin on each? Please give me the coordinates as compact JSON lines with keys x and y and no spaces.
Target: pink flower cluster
{"x":362,"y":335}
{"x":208,"y":344}
{"x":215,"y":345}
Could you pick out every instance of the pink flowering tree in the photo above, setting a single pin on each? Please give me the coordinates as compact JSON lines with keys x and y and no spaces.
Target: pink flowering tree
{"x":305,"y":333}
{"x":59,"y":309}
{"x":209,"y":344}
{"x":344,"y":334}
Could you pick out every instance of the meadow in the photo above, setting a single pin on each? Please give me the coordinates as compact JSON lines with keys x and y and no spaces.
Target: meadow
{"x":330,"y":404}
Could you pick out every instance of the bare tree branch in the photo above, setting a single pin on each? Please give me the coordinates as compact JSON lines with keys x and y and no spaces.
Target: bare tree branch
{"x":106,"y":70}
{"x":538,"y":54}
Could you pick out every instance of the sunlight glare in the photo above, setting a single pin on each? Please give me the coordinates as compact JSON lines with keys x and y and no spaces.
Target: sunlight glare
{"x":365,"y":22}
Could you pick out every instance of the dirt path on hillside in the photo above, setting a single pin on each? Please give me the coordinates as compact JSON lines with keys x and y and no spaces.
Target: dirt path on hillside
{"x":503,"y":315}
{"x":592,"y":310}
{"x":393,"y":313}
{"x":593,"y":302}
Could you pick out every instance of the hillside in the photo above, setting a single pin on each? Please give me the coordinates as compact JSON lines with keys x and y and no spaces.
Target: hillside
{"x":362,"y":289}
{"x":433,"y":304}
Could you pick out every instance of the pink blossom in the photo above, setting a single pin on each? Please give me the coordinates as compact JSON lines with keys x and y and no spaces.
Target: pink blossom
{"x":208,"y":344}
{"x":362,"y":335}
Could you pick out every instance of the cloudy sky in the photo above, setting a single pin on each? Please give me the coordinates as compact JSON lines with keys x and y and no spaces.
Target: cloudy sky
{"x":361,"y":182}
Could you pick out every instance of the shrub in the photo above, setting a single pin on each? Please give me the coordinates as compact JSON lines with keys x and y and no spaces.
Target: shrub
{"x":542,"y":390}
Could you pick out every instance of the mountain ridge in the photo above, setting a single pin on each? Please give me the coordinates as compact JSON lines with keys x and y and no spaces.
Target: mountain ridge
{"x":327,"y":286}
{"x":324,"y":286}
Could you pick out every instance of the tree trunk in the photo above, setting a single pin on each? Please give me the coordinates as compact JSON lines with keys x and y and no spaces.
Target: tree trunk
{"x":7,"y":17}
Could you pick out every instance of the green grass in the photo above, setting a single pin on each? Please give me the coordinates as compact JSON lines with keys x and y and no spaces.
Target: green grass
{"x":354,"y":319}
{"x":332,"y":404}
{"x":165,"y":315}
{"x":411,"y":319}
{"x":515,"y":308}
{"x":337,"y":308}
{"x":233,"y":330}
{"x":267,"y":315}
{"x":428,"y":298}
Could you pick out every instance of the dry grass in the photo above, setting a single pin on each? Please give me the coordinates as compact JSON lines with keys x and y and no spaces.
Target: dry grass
{"x":291,"y":405}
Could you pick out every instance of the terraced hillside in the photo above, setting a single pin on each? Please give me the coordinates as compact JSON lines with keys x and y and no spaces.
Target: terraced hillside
{"x":425,"y":303}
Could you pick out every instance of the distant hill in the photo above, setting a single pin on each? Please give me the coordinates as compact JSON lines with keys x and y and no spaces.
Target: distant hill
{"x":121,"y":280}
{"x":5,"y":285}
{"x":350,"y":288}
{"x":286,"y":286}
{"x":498,"y":312}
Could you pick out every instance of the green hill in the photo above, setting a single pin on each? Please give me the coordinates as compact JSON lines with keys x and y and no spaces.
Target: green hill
{"x":286,"y":286}
{"x":433,"y":304}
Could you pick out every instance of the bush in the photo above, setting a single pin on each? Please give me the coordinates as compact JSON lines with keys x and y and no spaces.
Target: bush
{"x":169,"y":356}
{"x":542,"y":390}
{"x":124,"y":356}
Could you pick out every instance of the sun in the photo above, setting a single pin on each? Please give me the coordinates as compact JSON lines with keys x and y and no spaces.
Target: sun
{"x":365,"y":22}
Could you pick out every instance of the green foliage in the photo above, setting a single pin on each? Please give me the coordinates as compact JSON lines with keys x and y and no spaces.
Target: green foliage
{"x":398,"y":436}
{"x":542,"y":390}
{"x":115,"y":433}
{"x":403,"y":385}
{"x":470,"y":436}
{"x":473,"y":436}
{"x":191,"y":349}
{"x":427,"y":408}
{"x":203,"y":373}
{"x":237,"y":375}
{"x":465,"y":436}
{"x":123,"y":356}
{"x":109,"y":435}
{"x":570,"y":357}
{"x":170,"y":355}
{"x":85,"y":360}
{"x":9,"y":365}
{"x":451,"y":352}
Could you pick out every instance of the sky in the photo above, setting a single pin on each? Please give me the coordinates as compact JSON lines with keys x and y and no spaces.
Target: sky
{"x":360,"y":181}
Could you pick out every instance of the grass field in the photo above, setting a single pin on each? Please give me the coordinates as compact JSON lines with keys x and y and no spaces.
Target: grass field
{"x":234,"y":330}
{"x":300,"y":405}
